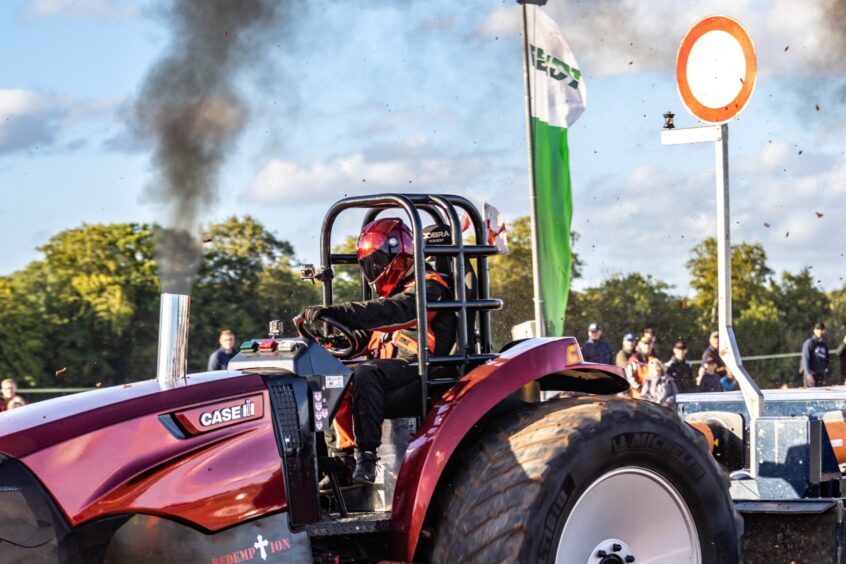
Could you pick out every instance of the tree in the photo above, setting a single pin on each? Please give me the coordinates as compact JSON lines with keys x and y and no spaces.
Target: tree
{"x":628,"y":304}
{"x":246,"y":278}
{"x":511,"y":280}
{"x":750,"y":278}
{"x":346,"y":285}
{"x":837,"y":315}
{"x":80,"y":310}
{"x":801,"y":302}
{"x":24,"y":332}
{"x":87,"y":314}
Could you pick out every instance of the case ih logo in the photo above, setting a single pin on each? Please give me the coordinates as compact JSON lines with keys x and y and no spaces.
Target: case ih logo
{"x":209,"y":418}
{"x":221,"y":414}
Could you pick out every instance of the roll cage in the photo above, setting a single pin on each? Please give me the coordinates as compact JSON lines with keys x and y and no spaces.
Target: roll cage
{"x":442,"y":209}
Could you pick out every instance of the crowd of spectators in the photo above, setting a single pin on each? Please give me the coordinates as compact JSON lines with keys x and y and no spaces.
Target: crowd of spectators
{"x":648,"y":376}
{"x":653,"y":379}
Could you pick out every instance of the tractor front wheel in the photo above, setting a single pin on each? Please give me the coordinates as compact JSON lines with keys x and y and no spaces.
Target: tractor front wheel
{"x":588,"y":479}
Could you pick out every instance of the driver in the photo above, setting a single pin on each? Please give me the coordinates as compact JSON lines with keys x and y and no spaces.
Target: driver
{"x":387,"y":385}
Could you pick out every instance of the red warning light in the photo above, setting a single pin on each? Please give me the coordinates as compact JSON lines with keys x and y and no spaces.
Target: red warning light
{"x":267,"y":345}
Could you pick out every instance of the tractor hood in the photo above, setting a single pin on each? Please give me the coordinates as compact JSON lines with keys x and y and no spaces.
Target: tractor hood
{"x":204,"y":452}
{"x":44,"y":424}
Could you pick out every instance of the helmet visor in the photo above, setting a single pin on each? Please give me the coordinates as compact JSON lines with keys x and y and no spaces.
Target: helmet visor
{"x":374,"y":264}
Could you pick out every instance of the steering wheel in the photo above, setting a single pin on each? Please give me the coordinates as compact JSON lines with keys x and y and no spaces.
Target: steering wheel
{"x":339,"y":340}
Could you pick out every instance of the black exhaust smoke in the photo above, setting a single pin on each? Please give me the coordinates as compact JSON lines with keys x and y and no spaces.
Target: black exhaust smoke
{"x":190,"y":110}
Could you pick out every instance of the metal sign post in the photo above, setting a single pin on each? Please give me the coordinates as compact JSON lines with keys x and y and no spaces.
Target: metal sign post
{"x":729,"y":352}
{"x":716,"y":73}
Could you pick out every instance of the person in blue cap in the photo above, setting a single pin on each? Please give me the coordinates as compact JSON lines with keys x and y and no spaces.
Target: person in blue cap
{"x":625,"y":353}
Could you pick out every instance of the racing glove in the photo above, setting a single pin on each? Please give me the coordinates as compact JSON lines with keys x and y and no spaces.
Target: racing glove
{"x":310,"y":313}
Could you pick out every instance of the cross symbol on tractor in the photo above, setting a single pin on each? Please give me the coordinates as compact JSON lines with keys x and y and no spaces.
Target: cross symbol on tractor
{"x":260,"y":545}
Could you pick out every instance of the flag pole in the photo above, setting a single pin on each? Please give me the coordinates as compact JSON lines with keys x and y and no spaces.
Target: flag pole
{"x":540,"y":325}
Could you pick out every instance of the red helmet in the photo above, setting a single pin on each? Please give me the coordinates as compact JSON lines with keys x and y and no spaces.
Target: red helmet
{"x":385,"y":253}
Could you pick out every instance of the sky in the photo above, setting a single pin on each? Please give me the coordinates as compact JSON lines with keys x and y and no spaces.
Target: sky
{"x":359,"y":97}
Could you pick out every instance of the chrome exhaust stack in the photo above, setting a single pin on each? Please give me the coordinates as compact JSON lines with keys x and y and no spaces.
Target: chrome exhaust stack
{"x":173,"y":340}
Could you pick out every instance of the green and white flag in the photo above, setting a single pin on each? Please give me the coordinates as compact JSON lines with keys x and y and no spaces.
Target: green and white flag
{"x":556,"y":99}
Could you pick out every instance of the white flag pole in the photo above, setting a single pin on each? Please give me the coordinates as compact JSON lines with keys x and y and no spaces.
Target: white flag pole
{"x":540,"y":325}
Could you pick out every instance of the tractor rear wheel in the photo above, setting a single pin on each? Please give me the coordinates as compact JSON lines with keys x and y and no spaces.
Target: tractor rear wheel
{"x":588,"y":479}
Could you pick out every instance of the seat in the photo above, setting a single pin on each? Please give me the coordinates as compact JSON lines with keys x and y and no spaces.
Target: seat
{"x":441,"y":234}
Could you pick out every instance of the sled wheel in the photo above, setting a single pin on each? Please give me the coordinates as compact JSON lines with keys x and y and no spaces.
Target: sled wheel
{"x":590,"y":479}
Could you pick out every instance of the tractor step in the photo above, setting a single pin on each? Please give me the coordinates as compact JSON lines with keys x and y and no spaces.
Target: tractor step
{"x":354,"y":524}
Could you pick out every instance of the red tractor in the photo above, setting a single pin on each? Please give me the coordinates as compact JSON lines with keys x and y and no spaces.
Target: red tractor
{"x":224,"y":467}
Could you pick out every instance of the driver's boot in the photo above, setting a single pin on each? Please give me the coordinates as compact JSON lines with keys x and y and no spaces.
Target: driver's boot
{"x":365,"y":467}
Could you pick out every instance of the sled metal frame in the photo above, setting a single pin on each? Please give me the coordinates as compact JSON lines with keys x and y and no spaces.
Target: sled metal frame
{"x":729,"y":351}
{"x":439,"y":207}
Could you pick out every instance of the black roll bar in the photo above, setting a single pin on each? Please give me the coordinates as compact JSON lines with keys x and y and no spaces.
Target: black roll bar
{"x":440,"y":208}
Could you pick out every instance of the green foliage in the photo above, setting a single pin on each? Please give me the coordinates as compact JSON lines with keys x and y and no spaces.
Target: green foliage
{"x":770,"y":315}
{"x":750,"y":278}
{"x":87,"y":313}
{"x":75,"y":316}
{"x":245,"y":280}
{"x":511,"y":281}
{"x":800,"y":301}
{"x":629,"y":304}
{"x":346,"y":286}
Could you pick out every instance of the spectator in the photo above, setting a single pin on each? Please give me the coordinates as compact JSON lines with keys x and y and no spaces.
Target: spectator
{"x":625,"y":353}
{"x":814,"y":364}
{"x":596,"y":349}
{"x":841,"y":352}
{"x":728,"y":383}
{"x":220,"y":358}
{"x":638,"y":368}
{"x":680,"y":369}
{"x":654,"y":335}
{"x":708,"y":380}
{"x":9,"y":398}
{"x":659,"y":387}
{"x":713,"y":350}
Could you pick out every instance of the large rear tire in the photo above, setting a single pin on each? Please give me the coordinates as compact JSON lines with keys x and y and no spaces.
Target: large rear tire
{"x":588,"y":480}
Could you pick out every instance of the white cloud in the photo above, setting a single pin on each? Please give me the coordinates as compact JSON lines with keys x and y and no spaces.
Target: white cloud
{"x":612,"y":37}
{"x":410,"y":166}
{"x":30,"y":119}
{"x":649,"y":221}
{"x":97,"y":9}
{"x":18,"y":101}
{"x":27,"y":119}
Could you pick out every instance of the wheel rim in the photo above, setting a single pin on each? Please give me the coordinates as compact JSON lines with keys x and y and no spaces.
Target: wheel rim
{"x":640,"y":508}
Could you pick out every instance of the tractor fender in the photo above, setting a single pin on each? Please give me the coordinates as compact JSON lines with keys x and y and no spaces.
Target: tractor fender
{"x":553,"y":362}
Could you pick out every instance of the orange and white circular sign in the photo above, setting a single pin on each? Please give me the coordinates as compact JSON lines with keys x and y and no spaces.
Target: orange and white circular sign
{"x":716,"y":69}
